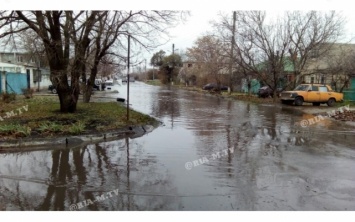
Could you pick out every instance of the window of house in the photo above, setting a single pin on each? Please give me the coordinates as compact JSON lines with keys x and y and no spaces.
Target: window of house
{"x":312,"y":80}
{"x":322,"y":79}
{"x":189,"y":65}
{"x":314,"y":53}
{"x":37,"y":75}
{"x":19,"y":59}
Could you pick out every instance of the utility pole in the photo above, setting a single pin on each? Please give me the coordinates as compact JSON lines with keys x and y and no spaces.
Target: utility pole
{"x":173,"y":49}
{"x":145,"y":66}
{"x":129,"y":48}
{"x":153,"y":71}
{"x":38,"y":78}
{"x":231,"y":53}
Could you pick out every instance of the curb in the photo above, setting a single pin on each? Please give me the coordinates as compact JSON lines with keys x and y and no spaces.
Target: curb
{"x":70,"y":142}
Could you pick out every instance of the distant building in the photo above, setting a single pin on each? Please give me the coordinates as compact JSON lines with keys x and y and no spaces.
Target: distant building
{"x":20,"y":70}
{"x":327,"y":65}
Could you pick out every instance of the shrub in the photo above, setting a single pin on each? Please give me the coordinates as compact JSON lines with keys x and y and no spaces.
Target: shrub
{"x":28,"y":93}
{"x":163,"y":78}
{"x":77,"y":128}
{"x":15,"y":129}
{"x":50,"y":127}
{"x":8,"y":97}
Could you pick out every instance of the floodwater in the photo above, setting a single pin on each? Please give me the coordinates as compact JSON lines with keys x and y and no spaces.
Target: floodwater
{"x":208,"y":154}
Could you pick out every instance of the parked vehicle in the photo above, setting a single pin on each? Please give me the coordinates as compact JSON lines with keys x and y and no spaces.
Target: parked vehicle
{"x":53,"y":89}
{"x":98,"y":85}
{"x":109,"y":82}
{"x":312,"y":93}
{"x":131,"y":79}
{"x":213,"y":86}
{"x":265,"y":92}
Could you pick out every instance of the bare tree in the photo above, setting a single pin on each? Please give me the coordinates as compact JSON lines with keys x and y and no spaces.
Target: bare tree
{"x":54,"y":29}
{"x":273,"y":49}
{"x":208,"y":53}
{"x":312,"y":35}
{"x":262,"y":47}
{"x":70,"y":37}
{"x":339,"y":65}
{"x":111,"y":31}
{"x":241,"y":66}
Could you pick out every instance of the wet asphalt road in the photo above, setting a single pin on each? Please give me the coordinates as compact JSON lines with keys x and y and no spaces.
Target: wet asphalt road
{"x":209,"y":154}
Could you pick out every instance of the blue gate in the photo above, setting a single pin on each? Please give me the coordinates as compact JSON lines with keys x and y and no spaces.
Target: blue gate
{"x":15,"y":82}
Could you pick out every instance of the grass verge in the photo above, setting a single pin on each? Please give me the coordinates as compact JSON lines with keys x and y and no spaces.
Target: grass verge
{"x":40,"y":117}
{"x":233,"y":95}
{"x":155,"y":82}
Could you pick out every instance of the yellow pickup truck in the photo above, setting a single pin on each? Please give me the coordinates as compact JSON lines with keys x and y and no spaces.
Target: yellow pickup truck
{"x":311,"y":93}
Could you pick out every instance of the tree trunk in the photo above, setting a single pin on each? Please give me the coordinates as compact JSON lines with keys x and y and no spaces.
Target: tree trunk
{"x":68,"y":95}
{"x":274,"y":96}
{"x":87,"y":92}
{"x":68,"y":101}
{"x":249,"y":87}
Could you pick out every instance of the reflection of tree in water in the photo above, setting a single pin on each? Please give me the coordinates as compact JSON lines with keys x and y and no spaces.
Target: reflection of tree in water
{"x":257,"y":151}
{"x":166,"y":104}
{"x":84,"y":173}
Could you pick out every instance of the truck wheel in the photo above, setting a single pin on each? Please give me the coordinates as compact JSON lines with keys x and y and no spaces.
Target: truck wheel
{"x":331,"y":102}
{"x":54,"y":91}
{"x":298,"y":101}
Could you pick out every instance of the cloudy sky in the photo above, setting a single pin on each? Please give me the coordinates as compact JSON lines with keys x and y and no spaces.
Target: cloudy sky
{"x":184,"y":35}
{"x":202,"y":12}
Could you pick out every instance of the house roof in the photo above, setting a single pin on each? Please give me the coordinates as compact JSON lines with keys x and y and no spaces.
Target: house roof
{"x":7,"y":64}
{"x":6,"y":48}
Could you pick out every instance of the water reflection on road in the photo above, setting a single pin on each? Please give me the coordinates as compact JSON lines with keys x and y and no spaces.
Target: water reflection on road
{"x":271,"y":165}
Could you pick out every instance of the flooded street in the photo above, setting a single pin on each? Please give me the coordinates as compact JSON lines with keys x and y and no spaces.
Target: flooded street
{"x":208,"y":154}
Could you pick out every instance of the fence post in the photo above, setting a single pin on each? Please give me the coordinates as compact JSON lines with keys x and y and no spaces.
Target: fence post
{"x":2,"y":81}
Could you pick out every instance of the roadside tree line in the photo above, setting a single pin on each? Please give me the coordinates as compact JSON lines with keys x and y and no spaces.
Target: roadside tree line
{"x":76,"y":43}
{"x":267,"y":48}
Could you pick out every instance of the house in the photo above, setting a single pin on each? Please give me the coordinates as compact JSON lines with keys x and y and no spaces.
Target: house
{"x":199,"y":73}
{"x":20,"y":70}
{"x":189,"y":72}
{"x":330,"y":64}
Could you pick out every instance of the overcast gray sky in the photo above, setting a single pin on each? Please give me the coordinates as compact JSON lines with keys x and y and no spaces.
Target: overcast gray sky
{"x":184,"y":35}
{"x":202,"y":11}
